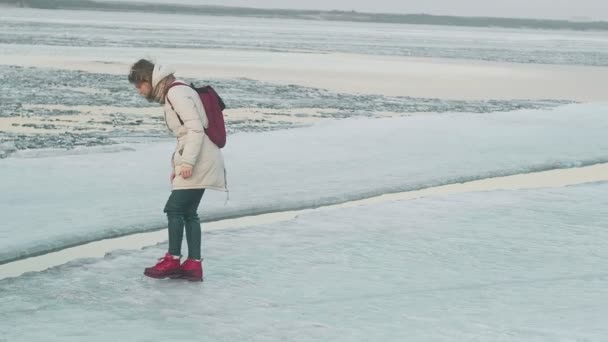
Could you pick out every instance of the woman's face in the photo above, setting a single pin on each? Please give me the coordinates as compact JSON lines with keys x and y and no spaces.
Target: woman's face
{"x":144,"y":88}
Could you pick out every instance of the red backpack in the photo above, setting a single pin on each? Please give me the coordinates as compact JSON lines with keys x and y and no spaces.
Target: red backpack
{"x":214,"y":105}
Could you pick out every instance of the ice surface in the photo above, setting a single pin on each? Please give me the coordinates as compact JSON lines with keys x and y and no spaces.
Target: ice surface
{"x":492,"y":266}
{"x":54,"y":202}
{"x":148,"y":30}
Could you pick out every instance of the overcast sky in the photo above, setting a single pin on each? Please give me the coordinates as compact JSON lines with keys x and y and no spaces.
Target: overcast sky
{"x":552,"y":9}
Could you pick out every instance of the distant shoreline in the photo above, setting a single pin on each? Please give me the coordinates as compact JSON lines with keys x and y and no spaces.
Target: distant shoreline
{"x":350,"y":16}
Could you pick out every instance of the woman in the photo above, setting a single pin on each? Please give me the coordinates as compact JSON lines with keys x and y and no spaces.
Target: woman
{"x":197,"y":164}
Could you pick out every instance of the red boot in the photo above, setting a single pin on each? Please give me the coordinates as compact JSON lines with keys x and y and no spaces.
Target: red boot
{"x":166,"y":267}
{"x":191,"y":270}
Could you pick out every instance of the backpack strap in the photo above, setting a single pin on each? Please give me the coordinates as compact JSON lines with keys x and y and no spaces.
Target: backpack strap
{"x":169,"y":101}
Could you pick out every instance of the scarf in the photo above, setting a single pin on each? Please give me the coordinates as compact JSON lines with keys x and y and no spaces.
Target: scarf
{"x":159,"y":92}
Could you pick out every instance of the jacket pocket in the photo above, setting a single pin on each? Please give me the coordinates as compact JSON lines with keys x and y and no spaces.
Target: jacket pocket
{"x":177,"y":157}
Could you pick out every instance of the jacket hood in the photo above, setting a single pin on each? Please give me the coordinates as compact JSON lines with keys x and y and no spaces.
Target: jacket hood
{"x":160,"y":72}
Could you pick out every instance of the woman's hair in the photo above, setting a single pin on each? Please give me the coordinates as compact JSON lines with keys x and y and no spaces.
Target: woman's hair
{"x":141,"y":71}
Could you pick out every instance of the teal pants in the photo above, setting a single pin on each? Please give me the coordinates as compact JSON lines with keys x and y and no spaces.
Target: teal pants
{"x":181,"y":210}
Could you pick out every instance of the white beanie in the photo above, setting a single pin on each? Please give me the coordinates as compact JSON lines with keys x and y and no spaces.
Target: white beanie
{"x":160,"y":72}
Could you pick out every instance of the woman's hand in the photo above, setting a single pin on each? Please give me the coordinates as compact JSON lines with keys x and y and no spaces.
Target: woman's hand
{"x":185,"y":171}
